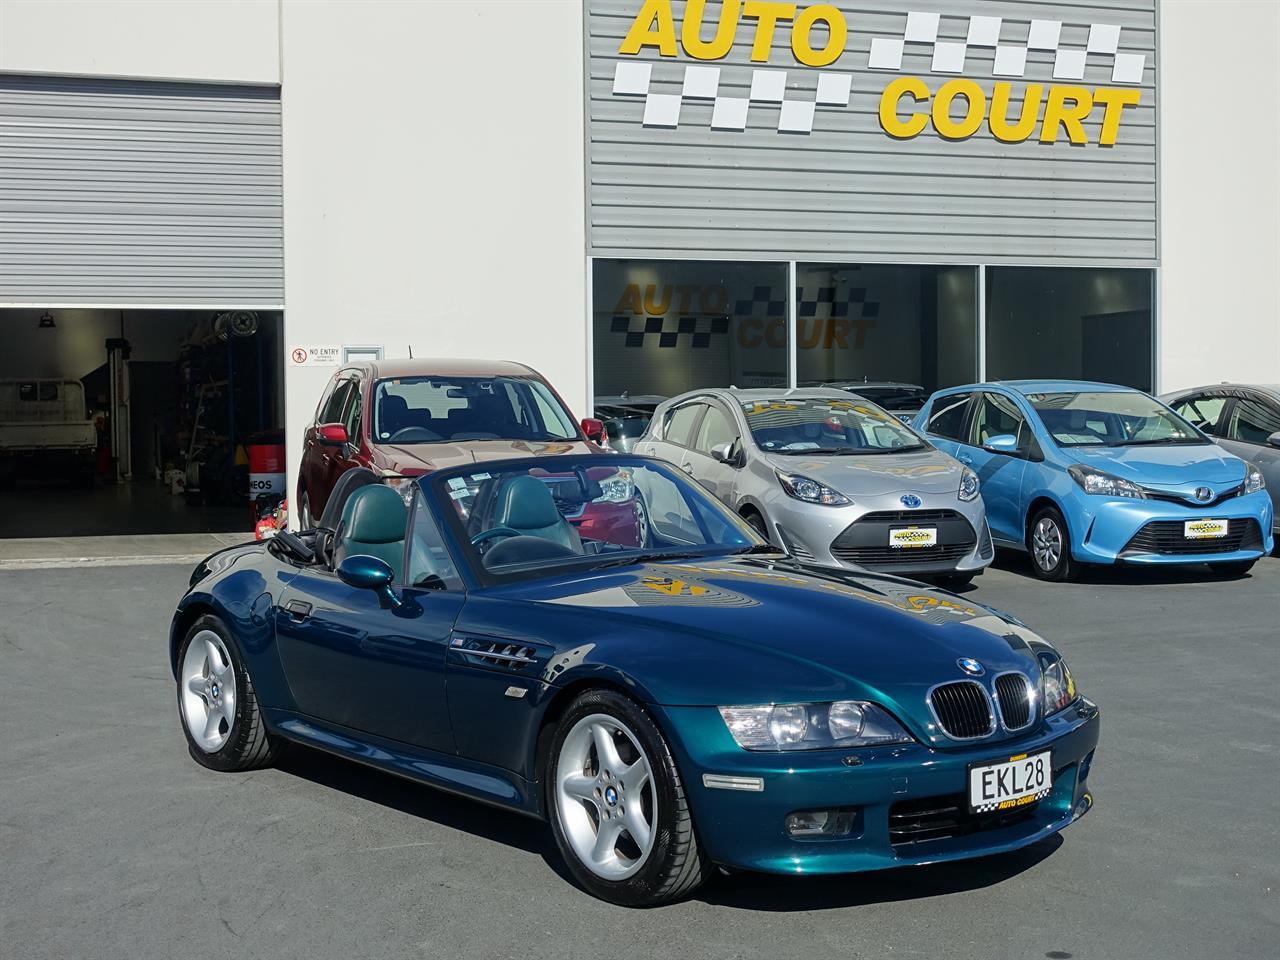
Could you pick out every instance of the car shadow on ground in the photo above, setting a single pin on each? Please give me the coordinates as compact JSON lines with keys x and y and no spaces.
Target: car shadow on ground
{"x":1015,"y":561}
{"x":749,"y":891}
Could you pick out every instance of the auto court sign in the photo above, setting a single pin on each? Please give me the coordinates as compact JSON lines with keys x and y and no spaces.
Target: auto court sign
{"x":955,"y":106}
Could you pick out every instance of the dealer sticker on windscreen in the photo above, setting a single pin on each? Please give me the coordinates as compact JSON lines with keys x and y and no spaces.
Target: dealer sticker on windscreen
{"x":1205,"y":529}
{"x":907,"y":537}
{"x":1011,"y":783}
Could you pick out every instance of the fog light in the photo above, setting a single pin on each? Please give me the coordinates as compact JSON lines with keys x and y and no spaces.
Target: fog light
{"x":810,"y":824}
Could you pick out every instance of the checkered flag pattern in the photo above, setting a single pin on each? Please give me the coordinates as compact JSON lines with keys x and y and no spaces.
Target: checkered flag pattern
{"x":669,"y":330}
{"x":702,"y":84}
{"x":988,"y":807}
{"x":1010,"y":58}
{"x":820,"y":302}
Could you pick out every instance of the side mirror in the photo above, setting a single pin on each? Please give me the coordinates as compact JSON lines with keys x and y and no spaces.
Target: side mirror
{"x":332,"y":434}
{"x":1274,"y":439}
{"x":725,"y":453}
{"x":1005,"y":443}
{"x":594,"y":429}
{"x":369,"y":573}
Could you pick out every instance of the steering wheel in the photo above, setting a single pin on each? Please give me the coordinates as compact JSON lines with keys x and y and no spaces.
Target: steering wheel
{"x":412,"y":434}
{"x":493,"y":533}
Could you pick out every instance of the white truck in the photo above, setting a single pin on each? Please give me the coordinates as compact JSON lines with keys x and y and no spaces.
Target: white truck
{"x":45,"y":431}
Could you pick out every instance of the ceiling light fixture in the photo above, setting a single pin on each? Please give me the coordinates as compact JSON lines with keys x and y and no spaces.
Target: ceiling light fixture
{"x":46,"y":321}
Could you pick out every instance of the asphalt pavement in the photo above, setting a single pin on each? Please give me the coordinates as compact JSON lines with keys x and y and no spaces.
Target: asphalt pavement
{"x":113,"y":843}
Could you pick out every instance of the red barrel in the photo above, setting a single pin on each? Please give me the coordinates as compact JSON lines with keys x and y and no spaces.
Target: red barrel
{"x":266,"y":464}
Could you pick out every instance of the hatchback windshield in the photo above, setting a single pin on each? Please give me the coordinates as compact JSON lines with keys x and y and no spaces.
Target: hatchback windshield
{"x":586,"y":512}
{"x":809,"y":426}
{"x":1111,"y":419}
{"x":435,"y":409}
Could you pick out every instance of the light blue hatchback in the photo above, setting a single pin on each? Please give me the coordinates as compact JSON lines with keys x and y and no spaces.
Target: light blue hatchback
{"x":1076,"y":472}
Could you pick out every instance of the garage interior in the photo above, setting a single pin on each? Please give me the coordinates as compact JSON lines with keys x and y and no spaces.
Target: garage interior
{"x":200,"y":393}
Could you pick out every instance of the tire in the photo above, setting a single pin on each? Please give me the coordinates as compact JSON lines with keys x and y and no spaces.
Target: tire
{"x":1049,"y":544}
{"x":1233,"y":568}
{"x":305,"y":520}
{"x":758,"y":524}
{"x":206,"y":660}
{"x":581,"y":789}
{"x":955,"y":581}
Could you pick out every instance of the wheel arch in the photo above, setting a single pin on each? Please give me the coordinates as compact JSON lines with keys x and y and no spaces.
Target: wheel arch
{"x":1038,"y":503}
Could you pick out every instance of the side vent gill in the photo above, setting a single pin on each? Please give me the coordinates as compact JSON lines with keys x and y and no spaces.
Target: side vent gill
{"x":497,"y":654}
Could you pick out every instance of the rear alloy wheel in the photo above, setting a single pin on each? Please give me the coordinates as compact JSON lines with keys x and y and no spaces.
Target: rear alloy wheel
{"x":1049,"y":543}
{"x":617,"y":804}
{"x":305,"y":521}
{"x":220,"y":714}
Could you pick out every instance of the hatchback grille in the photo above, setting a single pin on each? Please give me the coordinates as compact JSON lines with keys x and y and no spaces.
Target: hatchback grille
{"x":795,"y":547}
{"x":1167,"y":537}
{"x":940,"y":818}
{"x":1016,"y":698}
{"x":1190,"y":501}
{"x":866,"y":540}
{"x":962,"y":709}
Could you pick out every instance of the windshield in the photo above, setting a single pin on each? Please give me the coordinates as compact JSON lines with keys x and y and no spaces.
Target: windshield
{"x":790,"y":425}
{"x":573,"y":513}
{"x":894,"y":398}
{"x":1111,"y":419}
{"x":437,"y":409}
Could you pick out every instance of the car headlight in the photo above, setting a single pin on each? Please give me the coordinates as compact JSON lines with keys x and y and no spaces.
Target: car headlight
{"x":401,"y":485}
{"x":969,"y":485}
{"x":811,"y":726}
{"x":1104,"y":484}
{"x":617,"y":489}
{"x":811,"y":491}
{"x":1253,"y":479}
{"x":1058,"y":684}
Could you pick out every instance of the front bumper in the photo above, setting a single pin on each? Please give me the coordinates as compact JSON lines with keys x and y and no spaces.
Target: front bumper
{"x":1106,"y":530}
{"x":745,"y":829}
{"x":857,"y":536}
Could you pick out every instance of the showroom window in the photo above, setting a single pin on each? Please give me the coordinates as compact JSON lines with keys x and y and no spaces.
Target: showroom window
{"x":1069,"y":322}
{"x":661,"y":327}
{"x":885,"y":322}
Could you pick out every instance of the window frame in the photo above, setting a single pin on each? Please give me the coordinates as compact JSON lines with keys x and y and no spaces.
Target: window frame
{"x":965,"y":420}
{"x":1229,"y":413}
{"x":714,"y":403}
{"x":1228,"y":405}
{"x":700,"y":402}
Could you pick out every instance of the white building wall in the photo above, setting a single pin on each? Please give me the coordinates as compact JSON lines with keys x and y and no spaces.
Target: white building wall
{"x":1219,"y":296}
{"x":236,"y":41}
{"x":433,"y":186}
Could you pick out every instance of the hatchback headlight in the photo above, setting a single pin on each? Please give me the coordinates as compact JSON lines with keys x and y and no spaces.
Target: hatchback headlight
{"x":1104,"y":484}
{"x":1058,"y":684}
{"x":617,"y":489}
{"x":811,"y":726}
{"x":811,"y":491}
{"x":969,"y":485}
{"x":1253,"y":479}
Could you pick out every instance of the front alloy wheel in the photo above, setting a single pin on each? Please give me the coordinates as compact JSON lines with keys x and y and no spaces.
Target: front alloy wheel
{"x":1050,"y":546}
{"x":617,"y":804}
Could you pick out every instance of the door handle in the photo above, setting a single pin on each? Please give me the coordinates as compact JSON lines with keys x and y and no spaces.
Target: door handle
{"x":965,"y":459}
{"x":687,"y":468}
{"x":298,"y":609}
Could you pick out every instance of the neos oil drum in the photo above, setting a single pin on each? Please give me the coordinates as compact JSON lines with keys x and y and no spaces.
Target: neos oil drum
{"x":266,"y":465}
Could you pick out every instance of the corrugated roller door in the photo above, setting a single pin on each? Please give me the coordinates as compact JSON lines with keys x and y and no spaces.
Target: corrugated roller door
{"x":119,"y":192}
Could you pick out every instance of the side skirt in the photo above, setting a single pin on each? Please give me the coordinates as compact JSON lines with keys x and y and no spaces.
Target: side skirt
{"x":452,"y":774}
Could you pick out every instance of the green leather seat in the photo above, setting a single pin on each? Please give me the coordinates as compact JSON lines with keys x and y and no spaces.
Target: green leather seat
{"x":373,"y":524}
{"x":526,"y":505}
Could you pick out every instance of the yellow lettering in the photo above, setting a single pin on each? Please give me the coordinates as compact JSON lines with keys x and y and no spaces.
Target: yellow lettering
{"x":1001,"y":129}
{"x":691,"y":30}
{"x":767,"y":13}
{"x":977,"y":106}
{"x":653,"y":27}
{"x":775,"y":334}
{"x":1058,"y":113}
{"x":651,"y":306}
{"x":629,"y":302}
{"x":890,"y":122}
{"x":753,"y":339}
{"x":837,"y":31}
{"x":1116,"y":99}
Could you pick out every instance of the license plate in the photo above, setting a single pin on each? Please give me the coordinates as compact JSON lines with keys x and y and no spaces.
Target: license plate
{"x":1205,"y":529}
{"x":1011,"y":783}
{"x":908,"y":537}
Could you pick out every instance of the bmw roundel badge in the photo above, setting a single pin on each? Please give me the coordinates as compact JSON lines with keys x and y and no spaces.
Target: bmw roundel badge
{"x":971,"y":666}
{"x":910,"y":501}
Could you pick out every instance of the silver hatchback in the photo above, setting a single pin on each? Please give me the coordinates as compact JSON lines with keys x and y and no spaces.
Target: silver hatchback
{"x":831,"y":477}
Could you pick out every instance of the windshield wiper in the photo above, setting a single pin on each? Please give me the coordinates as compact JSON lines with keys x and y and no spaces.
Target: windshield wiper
{"x":1154,"y":442}
{"x":756,"y":548}
{"x":631,"y":559}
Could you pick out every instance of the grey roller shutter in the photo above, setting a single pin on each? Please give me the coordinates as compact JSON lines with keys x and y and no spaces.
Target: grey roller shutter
{"x":846,"y":190}
{"x":119,"y":192}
